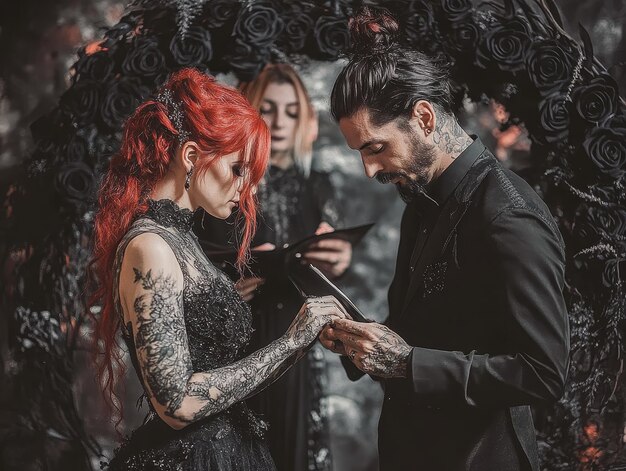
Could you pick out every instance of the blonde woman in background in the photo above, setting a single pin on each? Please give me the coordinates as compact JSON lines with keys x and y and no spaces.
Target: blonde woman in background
{"x":295,"y":201}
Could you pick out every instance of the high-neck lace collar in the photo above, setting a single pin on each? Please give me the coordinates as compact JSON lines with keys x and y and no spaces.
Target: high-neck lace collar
{"x":167,"y":213}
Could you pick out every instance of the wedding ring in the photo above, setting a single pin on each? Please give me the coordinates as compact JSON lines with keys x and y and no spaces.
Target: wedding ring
{"x":352,"y":354}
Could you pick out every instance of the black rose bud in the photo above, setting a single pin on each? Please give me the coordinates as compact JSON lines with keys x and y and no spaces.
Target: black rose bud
{"x":297,"y":29}
{"x":218,"y":12}
{"x":120,"y":100}
{"x":258,"y":25}
{"x":77,"y":149}
{"x":465,"y":34}
{"x":505,"y":45}
{"x":606,"y":148}
{"x":614,"y":272}
{"x":597,"y":101}
{"x":97,"y":66}
{"x":332,"y":36}
{"x":247,"y":61}
{"x":455,"y":9}
{"x":82,"y":101}
{"x":550,"y":66}
{"x":144,"y":59}
{"x":194,"y":49}
{"x":75,"y":184}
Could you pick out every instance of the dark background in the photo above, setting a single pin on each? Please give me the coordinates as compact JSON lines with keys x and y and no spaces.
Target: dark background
{"x":38,"y":42}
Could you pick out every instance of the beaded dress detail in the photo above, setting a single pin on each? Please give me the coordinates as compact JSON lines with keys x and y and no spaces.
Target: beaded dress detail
{"x":218,"y":325}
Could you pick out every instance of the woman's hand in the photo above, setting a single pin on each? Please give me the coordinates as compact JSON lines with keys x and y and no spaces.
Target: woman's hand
{"x":314,"y":314}
{"x":332,"y":256}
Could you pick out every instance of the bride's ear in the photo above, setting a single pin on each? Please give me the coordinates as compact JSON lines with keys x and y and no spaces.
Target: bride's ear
{"x":189,"y":153}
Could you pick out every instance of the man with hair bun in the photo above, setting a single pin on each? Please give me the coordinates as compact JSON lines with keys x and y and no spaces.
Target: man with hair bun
{"x":477,"y":330}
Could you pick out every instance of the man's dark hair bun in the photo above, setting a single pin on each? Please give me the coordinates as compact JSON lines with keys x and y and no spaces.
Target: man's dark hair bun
{"x":373,"y":30}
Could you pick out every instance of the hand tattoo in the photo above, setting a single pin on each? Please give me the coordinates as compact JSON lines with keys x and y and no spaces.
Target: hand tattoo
{"x":387,"y":357}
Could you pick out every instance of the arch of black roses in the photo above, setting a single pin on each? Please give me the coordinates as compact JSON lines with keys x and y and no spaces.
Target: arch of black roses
{"x":515,"y":52}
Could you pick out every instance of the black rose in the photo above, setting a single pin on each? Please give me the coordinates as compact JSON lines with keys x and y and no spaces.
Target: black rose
{"x":97,"y":66}
{"x":606,"y":148}
{"x":455,"y":9}
{"x":258,"y":25}
{"x":76,"y":149}
{"x":297,"y":29}
{"x":419,"y":23}
{"x":144,"y":59}
{"x":614,"y":272}
{"x":554,"y":119}
{"x":75,"y":184}
{"x":465,"y":34}
{"x":332,"y":36}
{"x":595,"y":224}
{"x":505,"y":45}
{"x":193,"y":49}
{"x":247,"y":61}
{"x":597,"y":101}
{"x":218,"y":12}
{"x":82,"y":101}
{"x":549,"y":65}
{"x":120,"y":100}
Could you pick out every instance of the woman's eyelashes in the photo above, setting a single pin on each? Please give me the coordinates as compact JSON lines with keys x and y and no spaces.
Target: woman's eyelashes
{"x":238,"y":170}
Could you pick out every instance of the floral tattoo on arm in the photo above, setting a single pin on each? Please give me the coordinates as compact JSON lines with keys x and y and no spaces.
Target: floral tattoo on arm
{"x":163,"y":353}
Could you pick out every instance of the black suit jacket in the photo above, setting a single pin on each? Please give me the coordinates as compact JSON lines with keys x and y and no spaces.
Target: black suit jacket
{"x":478,"y":292}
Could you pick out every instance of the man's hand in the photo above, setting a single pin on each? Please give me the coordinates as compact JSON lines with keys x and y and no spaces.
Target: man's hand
{"x":332,"y":256}
{"x":374,"y":348}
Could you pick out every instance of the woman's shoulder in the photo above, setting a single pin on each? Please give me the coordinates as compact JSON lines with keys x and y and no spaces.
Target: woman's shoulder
{"x":146,"y":245}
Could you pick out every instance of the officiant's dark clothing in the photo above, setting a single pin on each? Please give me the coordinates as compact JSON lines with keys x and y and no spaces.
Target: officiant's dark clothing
{"x":478,"y":292}
{"x":291,"y":207}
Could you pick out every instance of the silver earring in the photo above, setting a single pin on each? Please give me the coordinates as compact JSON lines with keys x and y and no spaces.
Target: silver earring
{"x":188,"y":179}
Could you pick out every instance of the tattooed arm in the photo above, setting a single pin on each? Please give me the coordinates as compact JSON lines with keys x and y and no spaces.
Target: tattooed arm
{"x":151,"y":289}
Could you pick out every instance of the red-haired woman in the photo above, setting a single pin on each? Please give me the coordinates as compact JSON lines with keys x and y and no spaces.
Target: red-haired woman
{"x":198,"y":144}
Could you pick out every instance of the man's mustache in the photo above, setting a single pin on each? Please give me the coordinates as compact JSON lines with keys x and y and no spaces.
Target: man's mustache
{"x":386,"y":177}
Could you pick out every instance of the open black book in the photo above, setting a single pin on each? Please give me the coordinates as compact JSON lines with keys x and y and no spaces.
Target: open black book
{"x":269,"y":263}
{"x":287,"y":261}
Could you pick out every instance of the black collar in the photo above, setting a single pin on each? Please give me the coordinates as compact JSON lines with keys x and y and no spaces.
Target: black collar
{"x":440,"y":189}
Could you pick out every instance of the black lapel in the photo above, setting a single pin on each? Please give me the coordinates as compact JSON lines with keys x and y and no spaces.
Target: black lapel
{"x":450,"y":216}
{"x":448,"y":219}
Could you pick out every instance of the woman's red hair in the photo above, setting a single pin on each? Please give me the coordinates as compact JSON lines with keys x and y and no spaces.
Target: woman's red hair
{"x":221,"y":121}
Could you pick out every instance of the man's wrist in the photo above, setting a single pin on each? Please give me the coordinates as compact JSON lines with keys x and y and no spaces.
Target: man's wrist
{"x":408,"y":364}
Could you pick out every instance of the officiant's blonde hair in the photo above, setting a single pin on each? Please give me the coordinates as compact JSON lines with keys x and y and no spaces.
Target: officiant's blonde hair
{"x":307,"y":127}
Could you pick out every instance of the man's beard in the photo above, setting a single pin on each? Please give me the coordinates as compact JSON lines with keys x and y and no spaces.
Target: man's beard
{"x":422,"y":160}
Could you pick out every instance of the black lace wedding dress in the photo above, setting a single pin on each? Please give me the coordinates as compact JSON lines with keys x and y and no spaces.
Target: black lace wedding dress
{"x":291,"y":208}
{"x":218,"y":325}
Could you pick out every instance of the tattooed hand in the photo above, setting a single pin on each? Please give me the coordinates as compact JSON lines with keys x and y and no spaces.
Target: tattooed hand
{"x":314,"y":314}
{"x":374,"y":348}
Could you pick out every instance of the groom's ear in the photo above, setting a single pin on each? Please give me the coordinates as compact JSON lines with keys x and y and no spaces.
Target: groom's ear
{"x":423,"y":115}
